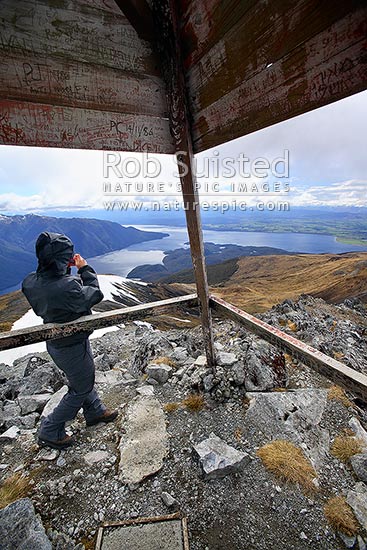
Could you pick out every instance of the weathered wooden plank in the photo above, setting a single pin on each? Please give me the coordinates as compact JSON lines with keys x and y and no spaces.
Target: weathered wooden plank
{"x":74,"y":30}
{"x":253,"y":33}
{"x":56,"y":81}
{"x":166,"y":18}
{"x":42,"y":125}
{"x":322,"y":70}
{"x":50,"y":331}
{"x":140,"y":16}
{"x":336,"y":371}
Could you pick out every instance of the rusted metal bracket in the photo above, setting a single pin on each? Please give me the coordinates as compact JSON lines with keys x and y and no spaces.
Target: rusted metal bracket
{"x":50,"y":331}
{"x":168,"y":46}
{"x":336,"y":371}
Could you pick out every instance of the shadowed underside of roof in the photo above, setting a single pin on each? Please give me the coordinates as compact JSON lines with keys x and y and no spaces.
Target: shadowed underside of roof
{"x":75,"y":73}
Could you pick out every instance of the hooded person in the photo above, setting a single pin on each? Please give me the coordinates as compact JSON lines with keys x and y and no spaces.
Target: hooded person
{"x":58,"y":297}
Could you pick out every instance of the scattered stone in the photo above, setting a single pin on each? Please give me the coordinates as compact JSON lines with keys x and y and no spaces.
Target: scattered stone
{"x":110,"y":377}
{"x":47,"y":454}
{"x":10,"y":434}
{"x":200,"y":361}
{"x":218,"y":459}
{"x":54,"y":401}
{"x":33,"y":403}
{"x":145,"y":443}
{"x":226,"y":359}
{"x":357,"y":500}
{"x":145,"y":390}
{"x":160,"y":373}
{"x":169,"y":500}
{"x":361,"y":543}
{"x":21,"y":528}
{"x":358,"y":429}
{"x":348,"y":541}
{"x":94,"y":457}
{"x":61,"y":462}
{"x":359,"y":465}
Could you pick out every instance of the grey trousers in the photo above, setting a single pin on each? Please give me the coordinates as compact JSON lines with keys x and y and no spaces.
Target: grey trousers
{"x":76,"y":361}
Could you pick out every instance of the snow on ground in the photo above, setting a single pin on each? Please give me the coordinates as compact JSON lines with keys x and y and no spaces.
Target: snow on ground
{"x":30,"y":319}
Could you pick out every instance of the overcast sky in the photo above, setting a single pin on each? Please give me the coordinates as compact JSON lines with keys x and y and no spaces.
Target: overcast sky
{"x":327,"y":164}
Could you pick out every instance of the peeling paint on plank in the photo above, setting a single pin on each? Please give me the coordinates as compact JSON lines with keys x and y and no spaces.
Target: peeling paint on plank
{"x":41,"y":125}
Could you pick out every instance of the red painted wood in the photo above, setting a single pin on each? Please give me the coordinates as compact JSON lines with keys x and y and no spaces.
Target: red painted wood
{"x":42,"y":125}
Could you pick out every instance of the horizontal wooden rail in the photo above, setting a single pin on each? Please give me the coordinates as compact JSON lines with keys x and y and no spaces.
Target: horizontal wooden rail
{"x":50,"y":331}
{"x":339,"y":373}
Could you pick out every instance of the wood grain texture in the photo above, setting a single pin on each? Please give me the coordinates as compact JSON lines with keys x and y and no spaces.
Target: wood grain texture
{"x":74,"y":30}
{"x":43,"y":125}
{"x":321,"y":70}
{"x":166,"y":18}
{"x":50,"y":331}
{"x":75,"y":74}
{"x":41,"y":79}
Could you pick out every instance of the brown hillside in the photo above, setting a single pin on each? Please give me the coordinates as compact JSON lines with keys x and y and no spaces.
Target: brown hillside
{"x":263,"y":281}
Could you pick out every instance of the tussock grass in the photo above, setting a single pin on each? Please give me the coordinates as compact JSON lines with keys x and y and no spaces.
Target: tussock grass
{"x":164,"y":361}
{"x":14,"y":487}
{"x":336,"y":393}
{"x":288,"y":463}
{"x":194,"y":402}
{"x":170,"y":407}
{"x":346,"y":446}
{"x":292,"y":326}
{"x":340,"y":516}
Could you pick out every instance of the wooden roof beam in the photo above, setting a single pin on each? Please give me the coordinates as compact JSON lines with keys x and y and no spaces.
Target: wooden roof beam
{"x":140,"y":16}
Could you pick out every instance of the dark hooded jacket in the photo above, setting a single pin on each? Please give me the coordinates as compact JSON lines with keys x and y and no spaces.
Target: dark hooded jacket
{"x":55,"y":294}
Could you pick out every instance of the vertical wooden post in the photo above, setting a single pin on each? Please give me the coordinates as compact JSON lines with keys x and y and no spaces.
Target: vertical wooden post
{"x":168,"y":46}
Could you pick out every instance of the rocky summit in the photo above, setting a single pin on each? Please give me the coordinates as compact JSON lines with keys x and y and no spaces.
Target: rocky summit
{"x":260,"y":452}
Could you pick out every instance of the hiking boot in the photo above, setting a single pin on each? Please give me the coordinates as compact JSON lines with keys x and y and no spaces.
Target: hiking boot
{"x":59,"y":445}
{"x":107,"y":416}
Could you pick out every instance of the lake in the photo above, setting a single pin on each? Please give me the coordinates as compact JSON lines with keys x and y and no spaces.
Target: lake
{"x":121,"y":262}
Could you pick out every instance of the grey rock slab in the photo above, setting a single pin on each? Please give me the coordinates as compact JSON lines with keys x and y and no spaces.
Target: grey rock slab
{"x":47,"y":454}
{"x":218,"y":459}
{"x":226,"y":359}
{"x":94,"y":457}
{"x":33,"y":403}
{"x":358,"y":429}
{"x":357,"y":500}
{"x":145,"y":390}
{"x":144,"y":445}
{"x":21,"y":528}
{"x":10,"y":434}
{"x":54,"y":401}
{"x":158,"y":535}
{"x":200,"y":361}
{"x":294,"y":416}
{"x":110,"y":377}
{"x":169,"y":500}
{"x":160,"y":373}
{"x":359,"y":465}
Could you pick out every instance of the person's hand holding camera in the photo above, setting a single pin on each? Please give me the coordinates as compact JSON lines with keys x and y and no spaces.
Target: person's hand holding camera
{"x":79,"y":261}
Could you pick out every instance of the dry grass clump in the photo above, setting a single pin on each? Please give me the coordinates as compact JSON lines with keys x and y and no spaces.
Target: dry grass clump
{"x":340,"y":516}
{"x":194,"y":402}
{"x":288,"y":463}
{"x":165,"y":361}
{"x":292,"y":325}
{"x":238,"y":434}
{"x":13,"y":488}
{"x":338,"y":394}
{"x":170,"y":407}
{"x":345,"y":446}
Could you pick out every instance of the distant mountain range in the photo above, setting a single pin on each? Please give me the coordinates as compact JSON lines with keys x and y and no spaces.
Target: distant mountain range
{"x":178,"y":262}
{"x":91,"y":237}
